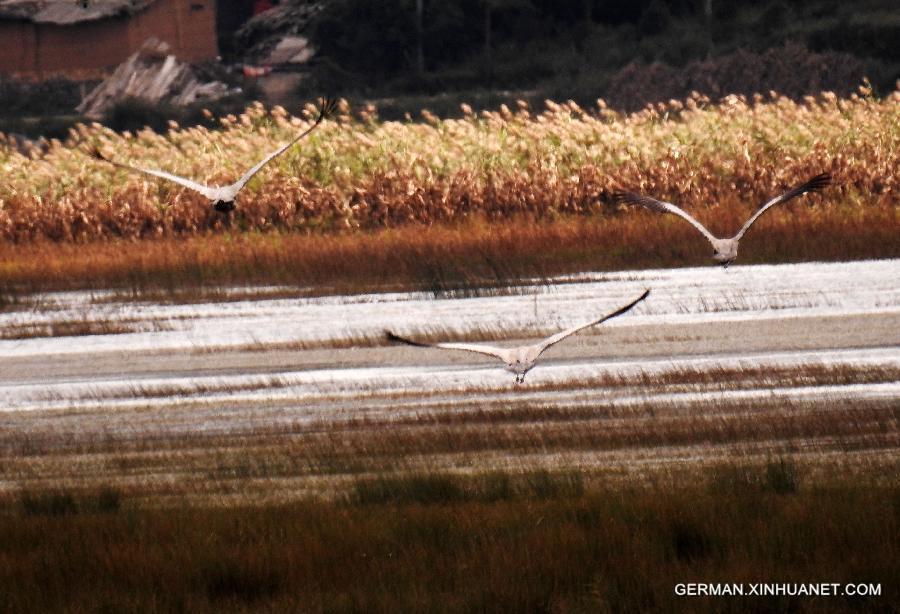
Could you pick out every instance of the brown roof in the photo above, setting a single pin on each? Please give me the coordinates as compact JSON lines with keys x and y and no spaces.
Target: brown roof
{"x":66,"y":12}
{"x":262,"y":33}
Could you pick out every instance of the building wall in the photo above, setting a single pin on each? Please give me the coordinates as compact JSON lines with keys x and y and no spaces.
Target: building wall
{"x":18,"y":52}
{"x":189,"y":26}
{"x":80,"y":51}
{"x":93,"y":49}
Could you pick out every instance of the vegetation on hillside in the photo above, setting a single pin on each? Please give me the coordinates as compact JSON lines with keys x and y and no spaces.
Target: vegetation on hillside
{"x":576,"y":47}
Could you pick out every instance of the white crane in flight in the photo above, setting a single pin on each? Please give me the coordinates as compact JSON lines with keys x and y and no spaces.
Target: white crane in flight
{"x":724,"y":250}
{"x":520,"y":360}
{"x":222,"y":197}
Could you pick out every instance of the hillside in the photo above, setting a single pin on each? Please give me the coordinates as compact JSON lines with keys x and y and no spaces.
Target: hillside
{"x":578,"y":48}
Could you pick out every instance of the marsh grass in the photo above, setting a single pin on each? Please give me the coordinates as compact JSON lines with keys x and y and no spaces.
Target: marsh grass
{"x":105,"y":500}
{"x":359,"y":173}
{"x":158,"y":454}
{"x":489,"y":487}
{"x":502,"y":505}
{"x":452,"y":205}
{"x":669,"y":380}
{"x":78,"y":328}
{"x":447,"y":543}
{"x":473,"y":258}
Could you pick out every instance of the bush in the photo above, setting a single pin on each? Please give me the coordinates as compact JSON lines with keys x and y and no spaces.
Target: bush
{"x":545,"y":485}
{"x":431,"y":489}
{"x":425,"y":489}
{"x":107,"y":500}
{"x":792,"y":71}
{"x":50,"y":97}
{"x":136,"y":113}
{"x":656,"y":19}
{"x":48,"y":503}
{"x":690,"y":541}
{"x":782,"y":477}
{"x":237,"y":581}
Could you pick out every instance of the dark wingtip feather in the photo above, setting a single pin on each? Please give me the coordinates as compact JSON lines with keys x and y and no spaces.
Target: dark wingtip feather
{"x":817,"y":183}
{"x":637,"y":300}
{"x":636,"y":199}
{"x":327,"y":107}
{"x":97,"y":154}
{"x":392,"y":338}
{"x":627,"y":308}
{"x":820,"y":181}
{"x":625,"y":197}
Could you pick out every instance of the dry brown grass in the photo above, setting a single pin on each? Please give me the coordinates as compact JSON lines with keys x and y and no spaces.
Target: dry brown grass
{"x":437,"y":258}
{"x":365,"y":174}
{"x":718,"y":160}
{"x":269,"y":450}
{"x":438,"y":543}
{"x":501,"y":504}
{"x":77,"y":328}
{"x":473,"y":191}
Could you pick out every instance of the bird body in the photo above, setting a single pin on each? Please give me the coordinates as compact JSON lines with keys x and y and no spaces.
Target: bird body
{"x":222,"y":197}
{"x":724,"y":250}
{"x":519,"y":360}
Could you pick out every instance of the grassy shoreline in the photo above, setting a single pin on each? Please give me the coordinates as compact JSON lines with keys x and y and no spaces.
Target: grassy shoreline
{"x":446,"y":204}
{"x":493,"y":542}
{"x":439,"y":259}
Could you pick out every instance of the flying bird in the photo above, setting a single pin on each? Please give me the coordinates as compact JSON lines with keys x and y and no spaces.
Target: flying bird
{"x":222,"y":197}
{"x":520,"y":360}
{"x":724,"y":250}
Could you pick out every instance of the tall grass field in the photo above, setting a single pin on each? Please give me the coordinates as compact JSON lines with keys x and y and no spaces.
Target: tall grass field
{"x":173,"y":483}
{"x":500,"y":194}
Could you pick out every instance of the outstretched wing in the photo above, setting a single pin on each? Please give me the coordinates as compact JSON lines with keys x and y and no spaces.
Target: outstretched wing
{"x":326,"y":108}
{"x":662,"y":207}
{"x":193,"y":185}
{"x":571,"y":331}
{"x":466,"y":347}
{"x":815,"y":184}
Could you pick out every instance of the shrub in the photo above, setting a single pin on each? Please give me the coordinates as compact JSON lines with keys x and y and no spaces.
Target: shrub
{"x":782,"y":477}
{"x":425,"y":489}
{"x":60,"y":503}
{"x":546,"y":485}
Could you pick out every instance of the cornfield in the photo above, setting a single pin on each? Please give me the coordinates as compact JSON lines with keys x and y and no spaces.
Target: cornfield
{"x":719,"y":160}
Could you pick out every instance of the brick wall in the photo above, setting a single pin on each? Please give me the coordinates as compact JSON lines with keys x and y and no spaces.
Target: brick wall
{"x":94,"y":49}
{"x":17,"y":53}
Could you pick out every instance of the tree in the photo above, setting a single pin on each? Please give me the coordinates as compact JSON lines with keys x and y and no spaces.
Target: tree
{"x":708,"y":19}
{"x":420,"y":39}
{"x":489,"y":7}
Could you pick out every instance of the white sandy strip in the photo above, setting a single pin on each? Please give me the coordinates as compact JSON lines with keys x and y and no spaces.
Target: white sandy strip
{"x":472,"y":384}
{"x":708,"y":294}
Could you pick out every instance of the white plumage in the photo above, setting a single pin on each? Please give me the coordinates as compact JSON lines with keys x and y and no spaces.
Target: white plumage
{"x":222,"y":197}
{"x":725,"y":250}
{"x":520,"y":360}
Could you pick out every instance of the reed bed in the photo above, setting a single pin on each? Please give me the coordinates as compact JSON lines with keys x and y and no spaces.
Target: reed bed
{"x":498,"y":542}
{"x":257,"y":450}
{"x":446,"y":260}
{"x":511,"y":175}
{"x":502,"y":505}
